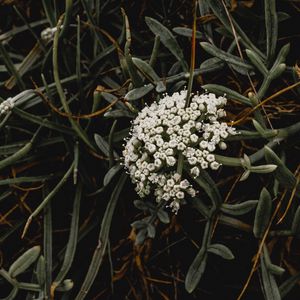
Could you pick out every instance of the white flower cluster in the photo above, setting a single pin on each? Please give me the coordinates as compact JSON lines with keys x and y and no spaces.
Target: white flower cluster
{"x":6,"y":106}
{"x":163,"y":131}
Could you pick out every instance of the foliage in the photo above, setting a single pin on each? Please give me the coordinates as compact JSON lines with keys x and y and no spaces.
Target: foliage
{"x":72,"y":225}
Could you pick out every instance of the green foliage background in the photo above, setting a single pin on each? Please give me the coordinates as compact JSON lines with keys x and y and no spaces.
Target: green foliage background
{"x":72,"y":226}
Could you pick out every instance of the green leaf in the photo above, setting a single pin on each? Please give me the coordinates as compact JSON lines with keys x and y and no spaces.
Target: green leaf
{"x":141,"y":236}
{"x":281,"y":56}
{"x":111,"y":173}
{"x":102,"y":144}
{"x":187,"y":32}
{"x":102,"y":239}
{"x":139,"y":92}
{"x":230,"y":94}
{"x":208,"y":185}
{"x":238,"y":209}
{"x":149,"y":73}
{"x":151,"y":230}
{"x":219,"y":11}
{"x":196,"y":270}
{"x":118,"y":113}
{"x":163,"y":216}
{"x":211,"y":64}
{"x":168,"y":39}
{"x":269,"y":284}
{"x":24,"y":261}
{"x":142,"y":205}
{"x":72,"y":241}
{"x":139,"y":224}
{"x":225,"y":56}
{"x":262,"y":213}
{"x":198,"y":204}
{"x":271,"y":23}
{"x":245,"y":175}
{"x":257,"y":62}
{"x":41,"y":270}
{"x":275,"y":270}
{"x":285,"y":177}
{"x":263,"y":169}
{"x":221,"y":250}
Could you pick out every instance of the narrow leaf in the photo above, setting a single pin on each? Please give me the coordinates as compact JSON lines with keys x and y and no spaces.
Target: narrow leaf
{"x":221,"y":250}
{"x":271,"y":23}
{"x":263,"y":213}
{"x":187,"y":32}
{"x":110,"y":174}
{"x":24,"y":261}
{"x":269,"y":284}
{"x":225,"y":56}
{"x":196,"y":270}
{"x":102,"y":240}
{"x":285,"y":177}
{"x":238,"y":209}
{"x":168,"y":39}
{"x":139,"y":92}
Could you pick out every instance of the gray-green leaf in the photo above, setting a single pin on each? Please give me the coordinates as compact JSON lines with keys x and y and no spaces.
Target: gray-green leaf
{"x":221,"y":250}
{"x":196,"y":270}
{"x":168,"y":39}
{"x":238,"y":209}
{"x":24,"y":261}
{"x":262,"y":213}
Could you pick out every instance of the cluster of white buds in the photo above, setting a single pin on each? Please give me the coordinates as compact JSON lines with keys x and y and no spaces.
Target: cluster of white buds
{"x":6,"y":106}
{"x":47,"y":34}
{"x":163,"y":131}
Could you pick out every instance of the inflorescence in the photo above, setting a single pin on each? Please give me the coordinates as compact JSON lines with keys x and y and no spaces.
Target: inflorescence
{"x":168,"y":129}
{"x":6,"y":106}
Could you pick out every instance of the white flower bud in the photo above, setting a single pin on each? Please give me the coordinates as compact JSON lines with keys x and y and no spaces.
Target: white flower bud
{"x":222,"y":146}
{"x":214,"y":165}
{"x":195,"y":171}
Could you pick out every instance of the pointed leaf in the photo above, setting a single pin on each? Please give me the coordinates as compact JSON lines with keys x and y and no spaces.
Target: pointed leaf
{"x":111,"y":173}
{"x":184,"y":31}
{"x":271,"y":23}
{"x":139,"y":92}
{"x":257,"y":62}
{"x":225,"y":56}
{"x":149,"y":73}
{"x":211,"y":64}
{"x":168,"y":39}
{"x":24,"y":261}
{"x":221,"y":250}
{"x":41,"y":270}
{"x":238,"y":209}
{"x":196,"y":270}
{"x":285,"y":177}
{"x":262,"y":214}
{"x":102,"y":144}
{"x":269,"y":284}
